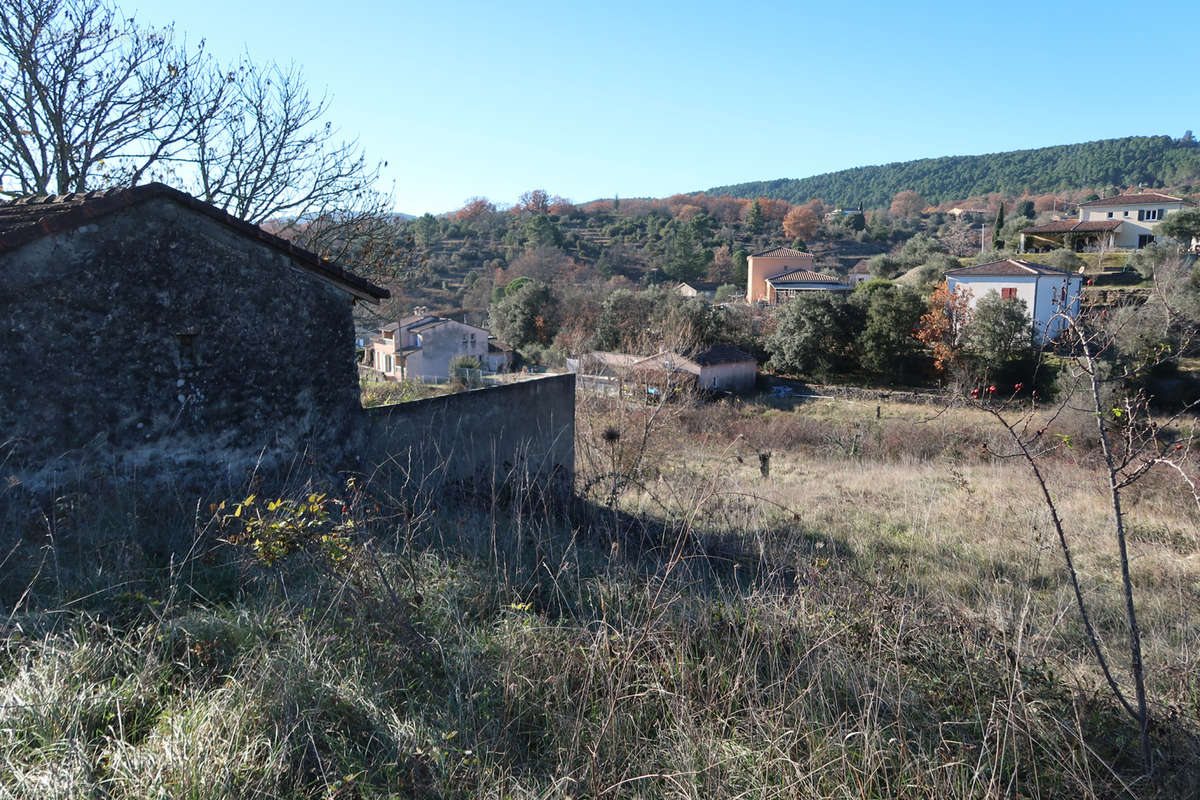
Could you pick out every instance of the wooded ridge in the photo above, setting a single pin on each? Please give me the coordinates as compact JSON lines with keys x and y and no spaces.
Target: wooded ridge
{"x":1130,"y":161}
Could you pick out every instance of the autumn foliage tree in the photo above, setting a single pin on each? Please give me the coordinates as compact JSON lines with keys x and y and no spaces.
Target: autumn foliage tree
{"x":942,"y":325}
{"x":907,"y":204}
{"x":801,"y":222}
{"x":474,"y":208}
{"x":536,"y":201}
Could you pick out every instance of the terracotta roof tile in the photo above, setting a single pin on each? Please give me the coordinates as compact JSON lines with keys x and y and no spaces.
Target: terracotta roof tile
{"x":1075,"y":226}
{"x":1136,"y":198}
{"x":801,"y":274}
{"x":28,"y":218}
{"x":722,"y":354}
{"x":1007,"y":267}
{"x":782,"y":252}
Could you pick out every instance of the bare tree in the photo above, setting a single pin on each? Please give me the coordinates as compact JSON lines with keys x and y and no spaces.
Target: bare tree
{"x":270,"y":154}
{"x":90,"y":98}
{"x":1112,"y":354}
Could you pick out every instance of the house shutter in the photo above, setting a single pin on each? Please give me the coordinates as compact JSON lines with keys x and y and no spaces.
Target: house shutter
{"x":1141,"y":215}
{"x":1162,"y":213}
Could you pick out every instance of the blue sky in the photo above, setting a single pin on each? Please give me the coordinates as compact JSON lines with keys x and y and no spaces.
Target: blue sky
{"x":648,"y":99}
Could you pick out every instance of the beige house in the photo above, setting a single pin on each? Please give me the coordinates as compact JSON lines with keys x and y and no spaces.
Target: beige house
{"x":780,"y":273}
{"x":774,"y":261}
{"x":1126,"y":221}
{"x":706,"y":290}
{"x":421,"y":347}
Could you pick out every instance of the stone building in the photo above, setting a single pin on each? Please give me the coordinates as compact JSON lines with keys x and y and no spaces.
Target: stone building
{"x":152,"y":332}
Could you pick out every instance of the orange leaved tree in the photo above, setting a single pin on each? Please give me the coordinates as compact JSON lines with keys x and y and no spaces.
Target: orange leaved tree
{"x":942,"y":325}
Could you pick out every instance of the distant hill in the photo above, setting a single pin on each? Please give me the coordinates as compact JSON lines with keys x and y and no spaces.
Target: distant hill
{"x":1148,"y":160}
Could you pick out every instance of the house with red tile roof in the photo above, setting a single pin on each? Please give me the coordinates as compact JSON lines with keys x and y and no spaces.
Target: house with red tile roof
{"x":1127,"y":220}
{"x":1051,"y":296}
{"x":780,"y":273}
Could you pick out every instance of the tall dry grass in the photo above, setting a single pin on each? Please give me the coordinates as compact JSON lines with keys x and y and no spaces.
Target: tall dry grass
{"x":868,"y":620}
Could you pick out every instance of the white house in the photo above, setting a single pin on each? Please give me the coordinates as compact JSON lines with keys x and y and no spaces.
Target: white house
{"x":1051,"y":295}
{"x":859,"y":273}
{"x":1126,"y":221}
{"x":422,"y":347}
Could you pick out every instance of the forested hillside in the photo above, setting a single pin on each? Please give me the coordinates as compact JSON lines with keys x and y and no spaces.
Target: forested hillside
{"x":1148,"y":160}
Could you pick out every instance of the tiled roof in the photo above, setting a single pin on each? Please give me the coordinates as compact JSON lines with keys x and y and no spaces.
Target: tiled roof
{"x":1136,"y":198}
{"x":721,"y":354}
{"x":781,"y":252}
{"x":668,"y":360}
{"x":26,"y":219}
{"x":801,"y":274}
{"x":1008,"y":267}
{"x":1075,"y":226}
{"x":860,"y":268}
{"x":701,"y":286}
{"x":427,"y":323}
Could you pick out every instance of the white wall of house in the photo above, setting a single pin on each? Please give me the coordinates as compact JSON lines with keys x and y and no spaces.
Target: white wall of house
{"x":733,"y":377}
{"x":439,"y":345}
{"x":1047,"y":298}
{"x":1130,"y":233}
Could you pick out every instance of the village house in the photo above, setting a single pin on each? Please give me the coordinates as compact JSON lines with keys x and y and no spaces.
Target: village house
{"x":706,"y":290}
{"x":1125,"y":221}
{"x":721,"y":367}
{"x":126,"y":315}
{"x":780,"y":273}
{"x":421,"y":347}
{"x":499,"y":356}
{"x":859,"y":273}
{"x":1051,"y":296}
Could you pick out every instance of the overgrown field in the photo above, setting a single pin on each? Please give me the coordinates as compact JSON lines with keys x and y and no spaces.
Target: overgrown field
{"x":883,"y":614}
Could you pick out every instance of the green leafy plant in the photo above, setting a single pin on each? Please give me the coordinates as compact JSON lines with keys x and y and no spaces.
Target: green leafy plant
{"x":317,"y":525}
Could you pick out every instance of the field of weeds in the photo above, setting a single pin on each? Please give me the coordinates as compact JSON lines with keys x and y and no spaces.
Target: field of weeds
{"x":875,"y":609}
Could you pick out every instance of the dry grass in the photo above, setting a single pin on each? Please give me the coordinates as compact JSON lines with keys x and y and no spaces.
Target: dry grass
{"x":882,"y":616}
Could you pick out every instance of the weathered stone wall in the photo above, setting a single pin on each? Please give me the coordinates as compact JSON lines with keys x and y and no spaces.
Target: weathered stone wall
{"x":156,"y":338}
{"x":524,"y":429}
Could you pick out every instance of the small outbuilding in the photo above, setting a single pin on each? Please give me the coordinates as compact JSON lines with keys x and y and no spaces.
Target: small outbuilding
{"x":147,"y":326}
{"x":721,"y":367}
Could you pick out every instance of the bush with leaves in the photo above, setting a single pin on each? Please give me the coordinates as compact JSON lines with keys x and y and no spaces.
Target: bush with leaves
{"x":1150,"y":258}
{"x":528,"y":315}
{"x":1061,"y":258}
{"x":887,"y":344}
{"x":317,"y":526}
{"x":814,"y":335}
{"x":919,"y":248}
{"x":883,"y":266}
{"x":1000,"y":331}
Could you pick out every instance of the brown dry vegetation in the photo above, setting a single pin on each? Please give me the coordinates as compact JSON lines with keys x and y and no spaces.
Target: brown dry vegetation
{"x":882,"y":616}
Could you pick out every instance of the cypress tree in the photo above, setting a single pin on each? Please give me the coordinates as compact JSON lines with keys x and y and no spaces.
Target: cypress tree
{"x":996,"y":240}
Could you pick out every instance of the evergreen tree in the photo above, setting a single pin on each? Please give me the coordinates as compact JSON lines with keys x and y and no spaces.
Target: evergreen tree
{"x":754,"y":217}
{"x":997,"y":242}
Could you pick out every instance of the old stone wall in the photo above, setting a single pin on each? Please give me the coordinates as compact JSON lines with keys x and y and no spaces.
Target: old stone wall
{"x":485,"y":436}
{"x":157,"y":337}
